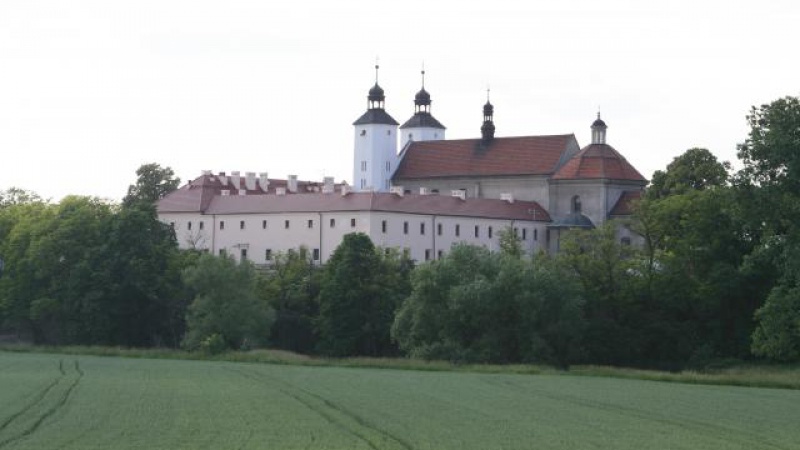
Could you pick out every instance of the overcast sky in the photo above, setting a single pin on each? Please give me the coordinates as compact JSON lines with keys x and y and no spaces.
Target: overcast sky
{"x":90,"y":90}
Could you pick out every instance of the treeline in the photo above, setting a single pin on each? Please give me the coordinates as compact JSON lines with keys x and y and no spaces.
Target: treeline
{"x":716,"y":277}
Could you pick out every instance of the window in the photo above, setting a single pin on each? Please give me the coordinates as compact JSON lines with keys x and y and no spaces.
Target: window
{"x":363,"y":166}
{"x":353,"y":222}
{"x":477,"y":231}
{"x":316,"y":254}
{"x":268,"y":254}
{"x":310,"y":223}
{"x":286,"y":224}
{"x":388,"y":132}
{"x":363,"y":183}
{"x":363,"y":132}
{"x":427,"y":254}
{"x":243,"y":253}
{"x":388,"y":165}
{"x":576,"y":204}
{"x":405,"y":227}
{"x":434,"y":191}
{"x":524,"y":234}
{"x":222,"y":252}
{"x":189,"y":225}
{"x":241,"y":224}
{"x":625,"y":241}
{"x":458,"y":230}
{"x":264,"y":224}
{"x":383,"y":226}
{"x":221,"y":224}
{"x":333,"y":223}
{"x":422,"y":228}
{"x":410,"y":136}
{"x":439,"y":254}
{"x":201,"y":224}
{"x":535,"y":234}
{"x":439,"y":229}
{"x":516,"y":232}
{"x":172,"y":224}
{"x":489,"y":232}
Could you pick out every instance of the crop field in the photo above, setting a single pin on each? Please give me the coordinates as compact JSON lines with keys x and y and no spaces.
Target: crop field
{"x":84,"y":402}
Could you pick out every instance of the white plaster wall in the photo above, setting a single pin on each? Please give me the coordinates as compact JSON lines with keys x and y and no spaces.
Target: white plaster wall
{"x":593,"y":194}
{"x":378,"y":146}
{"x":420,"y":134}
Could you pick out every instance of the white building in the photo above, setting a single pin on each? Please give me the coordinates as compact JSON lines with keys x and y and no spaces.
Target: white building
{"x":431,"y":194}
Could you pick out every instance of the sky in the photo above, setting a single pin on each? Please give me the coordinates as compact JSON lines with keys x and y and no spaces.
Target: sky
{"x":91,"y":90}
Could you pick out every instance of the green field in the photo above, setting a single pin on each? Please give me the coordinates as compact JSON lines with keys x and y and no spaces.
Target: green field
{"x":87,"y":402}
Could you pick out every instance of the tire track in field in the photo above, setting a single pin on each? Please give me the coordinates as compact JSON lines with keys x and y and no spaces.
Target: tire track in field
{"x":50,"y":411}
{"x":38,"y":398}
{"x":295,"y":392}
{"x":716,"y":431}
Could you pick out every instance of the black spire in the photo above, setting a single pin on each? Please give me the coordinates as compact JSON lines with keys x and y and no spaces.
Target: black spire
{"x":376,"y":98}
{"x":487,"y":129}
{"x":375,"y":101}
{"x":422,"y":101}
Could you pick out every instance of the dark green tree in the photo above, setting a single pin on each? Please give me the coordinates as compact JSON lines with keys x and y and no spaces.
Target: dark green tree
{"x":360,"y":291}
{"x":153,"y":182}
{"x":226,"y":305}
{"x":695,"y":169}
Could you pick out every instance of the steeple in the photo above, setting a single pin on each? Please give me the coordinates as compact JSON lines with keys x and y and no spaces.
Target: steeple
{"x":599,"y":130}
{"x":487,"y":129}
{"x":376,"y":98}
{"x":375,"y":106}
{"x":422,"y":126}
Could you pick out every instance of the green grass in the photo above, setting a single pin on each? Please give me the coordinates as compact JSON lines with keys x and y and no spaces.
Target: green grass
{"x":62,"y":401}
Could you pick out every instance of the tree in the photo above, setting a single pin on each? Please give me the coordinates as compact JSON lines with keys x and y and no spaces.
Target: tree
{"x":695,"y":169}
{"x":778,"y":333}
{"x":360,"y":290}
{"x":152,"y":183}
{"x":226,"y":306}
{"x":477,"y":306}
{"x":17,"y":196}
{"x":510,"y":242}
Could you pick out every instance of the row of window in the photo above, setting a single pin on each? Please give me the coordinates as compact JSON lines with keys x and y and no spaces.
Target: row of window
{"x":267,"y":254}
{"x":286,"y":224}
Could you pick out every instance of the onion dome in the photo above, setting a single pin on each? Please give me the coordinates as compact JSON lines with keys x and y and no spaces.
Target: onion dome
{"x":376,"y":94}
{"x":422,"y":98}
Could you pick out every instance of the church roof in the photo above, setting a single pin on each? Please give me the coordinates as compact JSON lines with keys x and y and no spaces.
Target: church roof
{"x":598,"y":161}
{"x":375,"y":116}
{"x":527,"y":155}
{"x":624,"y":206}
{"x":422,"y":120}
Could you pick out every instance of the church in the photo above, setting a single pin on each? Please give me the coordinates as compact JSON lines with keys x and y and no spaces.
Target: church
{"x":414,"y":190}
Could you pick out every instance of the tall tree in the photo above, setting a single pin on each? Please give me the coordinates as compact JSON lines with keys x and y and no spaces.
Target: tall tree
{"x":695,"y":169}
{"x":153,"y":182}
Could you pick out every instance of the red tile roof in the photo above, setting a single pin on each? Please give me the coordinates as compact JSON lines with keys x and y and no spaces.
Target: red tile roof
{"x":625,"y":204}
{"x":367,"y":201}
{"x":598,"y":161}
{"x":527,"y":155}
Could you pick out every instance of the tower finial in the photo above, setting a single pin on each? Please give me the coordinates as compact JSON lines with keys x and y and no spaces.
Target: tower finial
{"x":423,"y":74}
{"x":488,"y":89}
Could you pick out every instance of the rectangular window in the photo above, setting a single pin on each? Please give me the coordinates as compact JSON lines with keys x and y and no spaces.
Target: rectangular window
{"x":422,"y":228}
{"x":477,"y":231}
{"x":189,"y":225}
{"x":201,"y":224}
{"x":363,"y":183}
{"x":439,"y":229}
{"x":222,"y":252}
{"x":268,"y":254}
{"x":353,"y":223}
{"x":363,"y":166}
{"x":310,"y":223}
{"x":333,"y":223}
{"x":243,"y":254}
{"x":439,"y":254}
{"x":427,"y":254}
{"x":405,"y":227}
{"x":387,"y":166}
{"x":458,"y":230}
{"x":264,"y":224}
{"x":241,"y":224}
{"x":221,"y":224}
{"x":535,"y":234}
{"x":490,"y":232}
{"x":316,"y":254}
{"x":286,"y":224}
{"x":383,"y":226}
{"x":524,"y":234}
{"x":516,"y":232}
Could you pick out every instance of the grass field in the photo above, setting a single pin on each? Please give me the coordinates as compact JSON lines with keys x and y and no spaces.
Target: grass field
{"x":52,"y":401}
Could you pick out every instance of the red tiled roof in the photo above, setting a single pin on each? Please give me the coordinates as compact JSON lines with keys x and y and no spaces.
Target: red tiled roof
{"x":366,"y":201}
{"x":527,"y":155}
{"x":624,"y":206}
{"x":598,"y":161}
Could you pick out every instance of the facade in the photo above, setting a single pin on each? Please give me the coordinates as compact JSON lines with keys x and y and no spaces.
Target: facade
{"x":422,"y":199}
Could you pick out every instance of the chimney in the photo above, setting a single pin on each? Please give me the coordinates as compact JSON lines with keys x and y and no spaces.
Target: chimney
{"x":424,"y":191}
{"x":507,"y":196}
{"x":327,"y":185}
{"x":280,"y":191}
{"x":242,"y":191}
{"x":236,"y":179}
{"x":460,"y":193}
{"x":345,"y":189}
{"x":205,"y":173}
{"x":222,"y":178}
{"x":291,"y":183}
{"x":250,"y":181}
{"x":263,"y":180}
{"x":225,"y":192}
{"x":396,"y":190}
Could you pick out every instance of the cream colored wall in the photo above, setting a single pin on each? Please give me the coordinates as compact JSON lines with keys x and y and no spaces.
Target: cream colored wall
{"x":528,"y":188}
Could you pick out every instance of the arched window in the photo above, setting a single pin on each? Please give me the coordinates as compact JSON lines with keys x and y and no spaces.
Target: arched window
{"x":576,"y":204}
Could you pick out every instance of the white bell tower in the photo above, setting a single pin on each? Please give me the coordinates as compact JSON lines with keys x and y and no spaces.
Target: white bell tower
{"x":375,"y":154}
{"x":422,"y":126}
